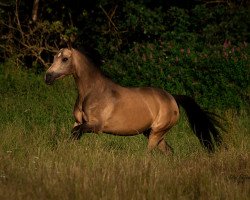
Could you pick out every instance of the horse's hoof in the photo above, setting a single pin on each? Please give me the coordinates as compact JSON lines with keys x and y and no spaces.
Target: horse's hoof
{"x":75,"y":135}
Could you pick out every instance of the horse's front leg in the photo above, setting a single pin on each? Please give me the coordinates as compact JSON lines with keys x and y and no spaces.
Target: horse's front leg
{"x":79,"y":130}
{"x":76,"y":131}
{"x":79,"y":126}
{"x":79,"y":116}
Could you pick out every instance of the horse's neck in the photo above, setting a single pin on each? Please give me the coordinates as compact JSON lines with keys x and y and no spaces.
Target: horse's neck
{"x":89,"y":80}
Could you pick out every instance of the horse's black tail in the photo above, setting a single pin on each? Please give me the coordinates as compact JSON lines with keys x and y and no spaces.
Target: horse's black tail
{"x":203,"y":123}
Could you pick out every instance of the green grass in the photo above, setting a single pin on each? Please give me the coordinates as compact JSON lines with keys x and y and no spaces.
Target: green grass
{"x":37,"y":161}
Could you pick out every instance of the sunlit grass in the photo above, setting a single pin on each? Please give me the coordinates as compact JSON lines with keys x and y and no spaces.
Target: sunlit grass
{"x":108,"y":167}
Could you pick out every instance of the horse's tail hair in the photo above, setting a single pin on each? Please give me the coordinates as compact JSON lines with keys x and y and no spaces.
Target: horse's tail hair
{"x":204,"y":124}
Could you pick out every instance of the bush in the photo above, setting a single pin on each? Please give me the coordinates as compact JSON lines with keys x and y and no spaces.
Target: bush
{"x":214,"y":80}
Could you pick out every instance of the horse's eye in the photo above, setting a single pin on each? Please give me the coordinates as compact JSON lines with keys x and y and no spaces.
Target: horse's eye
{"x":65,"y":59}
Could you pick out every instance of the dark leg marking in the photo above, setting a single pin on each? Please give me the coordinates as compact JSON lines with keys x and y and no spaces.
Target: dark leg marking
{"x":78,"y":131}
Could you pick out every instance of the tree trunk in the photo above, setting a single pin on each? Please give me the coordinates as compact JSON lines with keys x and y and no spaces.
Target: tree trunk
{"x":35,"y":10}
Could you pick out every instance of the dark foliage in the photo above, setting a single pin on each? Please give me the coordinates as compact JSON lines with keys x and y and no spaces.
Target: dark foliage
{"x":197,"y":48}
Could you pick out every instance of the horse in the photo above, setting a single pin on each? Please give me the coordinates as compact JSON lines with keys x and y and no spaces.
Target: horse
{"x":102,"y":106}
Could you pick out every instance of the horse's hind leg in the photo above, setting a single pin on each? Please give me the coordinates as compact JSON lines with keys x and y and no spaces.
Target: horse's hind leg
{"x":165,"y":147}
{"x":156,"y":139}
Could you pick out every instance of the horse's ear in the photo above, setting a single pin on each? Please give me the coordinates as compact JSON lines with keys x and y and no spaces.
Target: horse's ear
{"x":69,"y":44}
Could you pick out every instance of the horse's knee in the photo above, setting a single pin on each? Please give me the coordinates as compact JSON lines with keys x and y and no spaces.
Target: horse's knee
{"x":76,"y":124}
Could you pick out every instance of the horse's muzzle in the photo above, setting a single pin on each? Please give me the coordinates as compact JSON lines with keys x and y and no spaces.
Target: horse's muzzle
{"x":49,"y":78}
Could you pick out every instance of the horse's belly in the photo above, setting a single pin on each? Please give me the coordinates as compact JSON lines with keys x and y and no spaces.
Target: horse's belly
{"x":123,"y":131}
{"x":130,"y":122}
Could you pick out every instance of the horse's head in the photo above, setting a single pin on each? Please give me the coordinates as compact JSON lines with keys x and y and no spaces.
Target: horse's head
{"x":61,"y":66}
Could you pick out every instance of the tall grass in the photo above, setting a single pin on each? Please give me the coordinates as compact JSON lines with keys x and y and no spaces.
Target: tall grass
{"x":37,"y":161}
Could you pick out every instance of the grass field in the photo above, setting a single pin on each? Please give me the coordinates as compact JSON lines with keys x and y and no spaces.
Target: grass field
{"x":37,"y":161}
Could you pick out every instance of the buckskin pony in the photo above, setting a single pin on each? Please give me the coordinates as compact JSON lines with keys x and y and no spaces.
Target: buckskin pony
{"x":104,"y":106}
